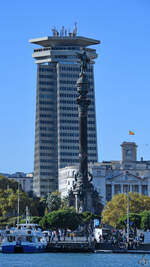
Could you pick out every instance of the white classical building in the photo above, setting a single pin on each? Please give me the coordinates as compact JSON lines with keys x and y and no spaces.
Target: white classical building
{"x":113,"y":177}
{"x":24,"y":179}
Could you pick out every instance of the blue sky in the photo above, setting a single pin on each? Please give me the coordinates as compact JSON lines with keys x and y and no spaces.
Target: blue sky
{"x":122,"y":72}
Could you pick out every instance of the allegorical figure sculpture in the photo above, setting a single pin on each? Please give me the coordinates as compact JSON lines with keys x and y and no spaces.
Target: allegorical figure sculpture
{"x":84,"y":60}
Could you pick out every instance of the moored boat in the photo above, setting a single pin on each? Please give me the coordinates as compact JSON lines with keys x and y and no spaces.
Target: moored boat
{"x":24,"y":238}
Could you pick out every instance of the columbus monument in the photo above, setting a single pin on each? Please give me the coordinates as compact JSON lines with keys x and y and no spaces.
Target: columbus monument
{"x":86,"y":197}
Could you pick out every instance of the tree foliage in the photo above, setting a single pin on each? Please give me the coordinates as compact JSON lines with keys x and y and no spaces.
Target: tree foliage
{"x":63,"y":219}
{"x":145,"y":220}
{"x":117,"y":207}
{"x":54,"y":201}
{"x":9,"y":200}
{"x":97,"y":203}
{"x":134,"y":219}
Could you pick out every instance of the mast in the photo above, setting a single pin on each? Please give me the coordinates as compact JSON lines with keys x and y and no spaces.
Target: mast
{"x":128,"y":210}
{"x":27,"y":215}
{"x":18,"y":205}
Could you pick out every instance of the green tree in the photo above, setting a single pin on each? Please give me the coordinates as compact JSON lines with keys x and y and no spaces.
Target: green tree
{"x":135,"y":221}
{"x":145,"y":220}
{"x":97,"y":203}
{"x":6,"y":183}
{"x":63,"y":219}
{"x":54,"y":201}
{"x":117,"y":207}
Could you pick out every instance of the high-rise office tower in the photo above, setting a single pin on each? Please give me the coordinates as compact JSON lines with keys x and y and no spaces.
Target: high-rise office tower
{"x":57,"y":128}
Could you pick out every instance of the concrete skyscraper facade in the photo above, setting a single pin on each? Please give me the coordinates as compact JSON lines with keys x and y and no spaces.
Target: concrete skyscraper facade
{"x":57,"y":124}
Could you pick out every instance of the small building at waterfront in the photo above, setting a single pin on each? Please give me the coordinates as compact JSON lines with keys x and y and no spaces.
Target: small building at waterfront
{"x":113,"y":177}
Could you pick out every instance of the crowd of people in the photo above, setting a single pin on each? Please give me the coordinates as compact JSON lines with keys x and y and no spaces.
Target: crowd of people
{"x":119,"y":239}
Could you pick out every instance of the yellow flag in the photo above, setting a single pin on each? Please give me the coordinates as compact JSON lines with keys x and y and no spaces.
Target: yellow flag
{"x":131,"y":133}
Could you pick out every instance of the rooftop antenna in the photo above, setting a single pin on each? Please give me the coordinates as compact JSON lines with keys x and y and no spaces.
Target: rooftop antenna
{"x":55,"y":32}
{"x":75,"y":29}
{"x":62,"y":31}
{"x":69,"y":33}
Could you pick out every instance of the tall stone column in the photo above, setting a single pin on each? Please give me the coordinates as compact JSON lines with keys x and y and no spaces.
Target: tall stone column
{"x":83,"y":197}
{"x":86,"y":198}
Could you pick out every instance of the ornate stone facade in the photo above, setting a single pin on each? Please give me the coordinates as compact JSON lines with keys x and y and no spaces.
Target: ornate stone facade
{"x":113,"y":177}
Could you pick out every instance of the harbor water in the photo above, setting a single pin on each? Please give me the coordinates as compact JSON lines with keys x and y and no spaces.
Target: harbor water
{"x":73,"y":260}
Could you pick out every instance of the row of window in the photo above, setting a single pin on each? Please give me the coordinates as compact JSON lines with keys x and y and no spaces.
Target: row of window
{"x":76,"y":147}
{"x":75,"y":161}
{"x":46,"y":109}
{"x":72,"y":68}
{"x":44,"y":76}
{"x":65,"y":48}
{"x":74,"y":121}
{"x":76,"y":134}
{"x":73,"y":141}
{"x":73,"y":82}
{"x":70,"y":160}
{"x":46,"y":148}
{"x":74,"y":115}
{"x":76,"y":154}
{"x":70,"y":147}
{"x":47,"y":142}
{"x":69,"y":154}
{"x":45,"y":129}
{"x":46,"y":83}
{"x":70,"y":102}
{"x":72,"y":75}
{"x":69,"y":108}
{"x":73,"y":89}
{"x":45,"y":96}
{"x":69,"y":134}
{"x":46,"y":122}
{"x":67,"y":75}
{"x":68,"y":89}
{"x":74,"y":128}
{"x":45,"y":167}
{"x":67,"y":82}
{"x":47,"y":174}
{"x":46,"y":89}
{"x":74,"y":95}
{"x":47,"y":160}
{"x":63,"y":56}
{"x":61,"y":94}
{"x":42,"y":49}
{"x":45,"y":116}
{"x":74,"y":108}
{"x":46,"y":69}
{"x":69,"y":95}
{"x":46,"y":102}
{"x":46,"y":135}
{"x":46,"y":155}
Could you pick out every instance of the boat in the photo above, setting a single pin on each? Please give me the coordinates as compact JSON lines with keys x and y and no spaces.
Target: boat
{"x":24,"y":238}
